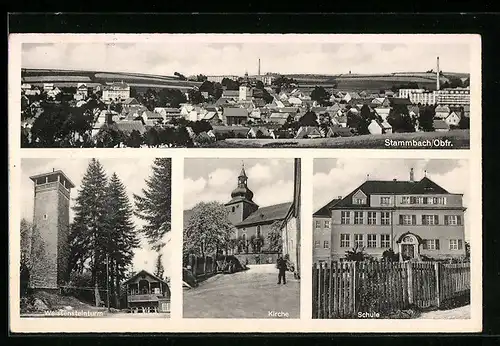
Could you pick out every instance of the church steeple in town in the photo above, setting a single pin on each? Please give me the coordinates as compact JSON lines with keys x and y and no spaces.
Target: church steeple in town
{"x":242,"y":189}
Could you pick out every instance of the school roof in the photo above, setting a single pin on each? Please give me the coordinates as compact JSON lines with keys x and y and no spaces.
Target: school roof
{"x":235,"y":112}
{"x":325,"y":210}
{"x":390,"y":187}
{"x":267,"y":214}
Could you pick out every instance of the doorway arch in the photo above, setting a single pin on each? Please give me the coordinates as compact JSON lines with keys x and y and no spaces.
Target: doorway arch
{"x":409,"y":245}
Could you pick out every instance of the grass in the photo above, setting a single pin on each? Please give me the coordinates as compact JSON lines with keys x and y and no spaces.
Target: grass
{"x":458,"y":138}
{"x":242,"y":295}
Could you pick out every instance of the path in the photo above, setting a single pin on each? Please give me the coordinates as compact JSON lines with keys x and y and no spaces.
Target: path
{"x":462,"y":312}
{"x":249,"y":294}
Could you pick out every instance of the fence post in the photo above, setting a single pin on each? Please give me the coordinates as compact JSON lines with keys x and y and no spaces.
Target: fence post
{"x":354,"y":287}
{"x":409,"y":269}
{"x":438,"y":284}
{"x":205,"y":266}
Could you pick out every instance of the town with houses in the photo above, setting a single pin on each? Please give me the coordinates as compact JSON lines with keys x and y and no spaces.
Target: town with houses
{"x":70,"y":113}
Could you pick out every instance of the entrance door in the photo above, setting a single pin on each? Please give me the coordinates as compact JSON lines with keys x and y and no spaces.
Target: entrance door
{"x":408,"y":251}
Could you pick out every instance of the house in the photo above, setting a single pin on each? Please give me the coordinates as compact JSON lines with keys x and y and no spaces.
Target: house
{"x":260,"y":132}
{"x":396,"y":101}
{"x":295,"y":101}
{"x":414,"y":218}
{"x":153,"y":117}
{"x":377,"y":127}
{"x":130,"y":102}
{"x":82,"y":90}
{"x":342,"y":120}
{"x":440,"y":125}
{"x":223,"y":101}
{"x":338,"y":131}
{"x":213,"y":118}
{"x":279,"y":118}
{"x":308,"y":132}
{"x":127,"y":127}
{"x":147,"y":293}
{"x":383,"y":112}
{"x":235,"y":116}
{"x":453,"y":119}
{"x":414,"y":111}
{"x":322,"y":232}
{"x":117,"y":91}
{"x":442,"y":112}
{"x":381,"y":102}
{"x":277,"y":103}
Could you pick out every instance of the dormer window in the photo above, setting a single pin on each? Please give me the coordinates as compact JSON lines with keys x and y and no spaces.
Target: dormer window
{"x":385,"y":200}
{"x":359,"y":201}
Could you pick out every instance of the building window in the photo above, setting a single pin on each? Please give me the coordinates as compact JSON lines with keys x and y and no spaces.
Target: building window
{"x":420,"y":200}
{"x":405,"y":200}
{"x":316,"y":244}
{"x":258,"y":231}
{"x":358,"y":217}
{"x":345,"y":217}
{"x":359,"y":201}
{"x":345,"y":240}
{"x":358,"y":240}
{"x":431,"y":244}
{"x":385,"y":240}
{"x":385,"y":218}
{"x":407,"y":220}
{"x":326,"y":244}
{"x":317,"y":224}
{"x":372,"y":240}
{"x":452,"y":220}
{"x":385,"y":200}
{"x":372,"y":218}
{"x":456,"y":244}
{"x":327,"y":224}
{"x":439,"y":200}
{"x":430,"y":220}
{"x":233,"y":209}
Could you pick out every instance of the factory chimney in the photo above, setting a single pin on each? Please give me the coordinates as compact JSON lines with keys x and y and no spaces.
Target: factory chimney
{"x":259,"y":68}
{"x":437,"y":74}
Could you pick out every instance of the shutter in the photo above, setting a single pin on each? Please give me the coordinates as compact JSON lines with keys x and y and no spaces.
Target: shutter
{"x":459,"y":220}
{"x":460,"y":244}
{"x":423,"y":220}
{"x":436,"y":219}
{"x":414,"y":219}
{"x":400,"y":219}
{"x":437,"y":244}
{"x":424,"y":245}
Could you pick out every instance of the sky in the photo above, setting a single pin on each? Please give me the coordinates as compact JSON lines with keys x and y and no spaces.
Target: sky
{"x":236,"y":58}
{"x":205,"y":180}
{"x":339,"y":177}
{"x":132,"y":173}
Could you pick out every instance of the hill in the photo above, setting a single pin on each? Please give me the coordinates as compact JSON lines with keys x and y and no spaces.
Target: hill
{"x":71,"y":78}
{"x":373,"y":82}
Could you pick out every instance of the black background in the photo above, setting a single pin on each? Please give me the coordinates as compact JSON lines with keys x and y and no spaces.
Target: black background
{"x":487,"y":25}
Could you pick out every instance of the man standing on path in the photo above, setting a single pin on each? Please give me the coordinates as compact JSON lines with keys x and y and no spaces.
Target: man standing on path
{"x":281,"y":269}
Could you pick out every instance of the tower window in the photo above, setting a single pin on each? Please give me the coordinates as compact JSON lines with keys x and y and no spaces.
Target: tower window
{"x":45,"y":216}
{"x":233,"y":209}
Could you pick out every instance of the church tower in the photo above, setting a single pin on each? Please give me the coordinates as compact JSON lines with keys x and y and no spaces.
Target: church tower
{"x":245,"y":89}
{"x":241,"y":204}
{"x":50,"y":246}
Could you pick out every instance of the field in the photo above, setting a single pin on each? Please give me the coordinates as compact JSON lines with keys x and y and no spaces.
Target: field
{"x":457,"y":139}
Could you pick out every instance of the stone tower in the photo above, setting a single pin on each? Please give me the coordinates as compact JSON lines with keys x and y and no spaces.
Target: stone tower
{"x":50,"y":246}
{"x":241,"y":204}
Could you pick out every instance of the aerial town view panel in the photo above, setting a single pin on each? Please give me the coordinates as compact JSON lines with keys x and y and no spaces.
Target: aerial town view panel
{"x":254,"y":95}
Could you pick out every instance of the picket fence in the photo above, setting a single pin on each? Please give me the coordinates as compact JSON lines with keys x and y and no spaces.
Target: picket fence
{"x":343,"y":289}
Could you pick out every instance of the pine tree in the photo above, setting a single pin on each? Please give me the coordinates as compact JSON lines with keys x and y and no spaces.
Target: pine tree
{"x":88,"y":231}
{"x":154,"y":206}
{"x":122,"y":238}
{"x":159,"y":270}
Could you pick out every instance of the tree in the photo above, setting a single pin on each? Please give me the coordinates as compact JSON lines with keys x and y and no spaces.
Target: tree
{"x":257,"y":243}
{"x":426,"y":118}
{"x":122,"y":237}
{"x":274,"y":239}
{"x":464,"y":122}
{"x":51,"y":127}
{"x":88,"y":235}
{"x":400,"y":120}
{"x":230,"y":84}
{"x":134,"y":140}
{"x":195,"y":96}
{"x":201,"y":78}
{"x":320,"y":95}
{"x":357,"y":254}
{"x":151,"y":137}
{"x":25,"y":267}
{"x":109,"y":137}
{"x":366,"y":117}
{"x":208,"y":230}
{"x":309,"y":119}
{"x":390,"y":256}
{"x":467,"y":250}
{"x":159,"y":270}
{"x":180,"y":76}
{"x":154,"y":206}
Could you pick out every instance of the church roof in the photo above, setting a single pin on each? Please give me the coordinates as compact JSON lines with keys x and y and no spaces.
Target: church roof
{"x":267,"y":214}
